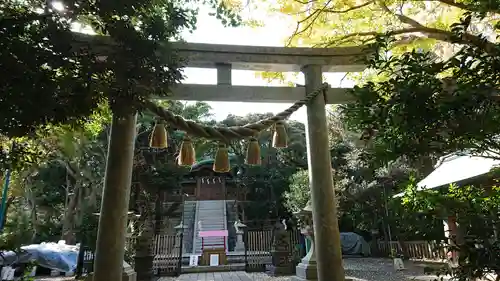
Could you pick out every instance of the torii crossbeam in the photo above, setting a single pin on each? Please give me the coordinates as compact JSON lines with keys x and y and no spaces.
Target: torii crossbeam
{"x":312,"y":62}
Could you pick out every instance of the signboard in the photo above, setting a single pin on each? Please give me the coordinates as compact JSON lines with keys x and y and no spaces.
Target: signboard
{"x":193,"y":260}
{"x":214,"y":260}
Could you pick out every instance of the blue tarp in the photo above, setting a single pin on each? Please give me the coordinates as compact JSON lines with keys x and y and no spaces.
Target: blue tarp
{"x":57,"y":256}
{"x":354,"y":244}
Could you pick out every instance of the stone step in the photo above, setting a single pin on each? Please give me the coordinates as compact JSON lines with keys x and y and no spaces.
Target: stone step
{"x":212,"y":216}
{"x":220,"y":268}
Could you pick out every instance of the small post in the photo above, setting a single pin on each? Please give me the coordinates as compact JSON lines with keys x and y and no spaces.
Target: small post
{"x":324,"y":207}
{"x":5,"y":193}
{"x":452,"y":233}
{"x":110,"y":248}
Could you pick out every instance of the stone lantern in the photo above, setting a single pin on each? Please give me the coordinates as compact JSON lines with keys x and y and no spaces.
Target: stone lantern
{"x":179,"y":231}
{"x":240,"y":230}
{"x":280,"y":252}
{"x":307,"y":269}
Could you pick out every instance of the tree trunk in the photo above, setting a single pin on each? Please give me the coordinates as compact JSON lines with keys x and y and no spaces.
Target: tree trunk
{"x":8,"y":203}
{"x":68,"y":233}
{"x":110,"y":248}
{"x":34,"y":216}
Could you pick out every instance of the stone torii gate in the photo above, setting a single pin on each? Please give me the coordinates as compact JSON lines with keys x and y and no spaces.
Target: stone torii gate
{"x":224,"y":58}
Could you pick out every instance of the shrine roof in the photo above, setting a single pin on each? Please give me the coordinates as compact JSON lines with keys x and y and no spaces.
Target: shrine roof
{"x":210,"y":162}
{"x":457,"y":168}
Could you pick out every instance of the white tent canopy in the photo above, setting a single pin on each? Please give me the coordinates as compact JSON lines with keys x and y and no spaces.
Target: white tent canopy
{"x":455,"y":168}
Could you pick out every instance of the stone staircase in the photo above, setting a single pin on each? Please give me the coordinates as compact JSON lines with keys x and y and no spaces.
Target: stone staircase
{"x":210,"y":215}
{"x":189,"y":215}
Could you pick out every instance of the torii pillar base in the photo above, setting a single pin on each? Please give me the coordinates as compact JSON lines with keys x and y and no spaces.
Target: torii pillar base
{"x":308,"y":272}
{"x":305,"y":272}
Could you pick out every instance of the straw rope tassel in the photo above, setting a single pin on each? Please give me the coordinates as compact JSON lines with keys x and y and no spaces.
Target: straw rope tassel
{"x":221,"y":162}
{"x":158,"y":137}
{"x":253,"y":152}
{"x":187,"y":155}
{"x":280,"y":138}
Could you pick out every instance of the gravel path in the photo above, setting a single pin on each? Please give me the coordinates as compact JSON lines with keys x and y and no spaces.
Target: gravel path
{"x":376,"y":269}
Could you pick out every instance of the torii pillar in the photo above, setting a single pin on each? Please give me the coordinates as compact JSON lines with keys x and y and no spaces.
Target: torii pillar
{"x":324,"y":207}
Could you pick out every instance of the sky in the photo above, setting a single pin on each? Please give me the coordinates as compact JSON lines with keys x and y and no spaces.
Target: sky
{"x":275,"y":32}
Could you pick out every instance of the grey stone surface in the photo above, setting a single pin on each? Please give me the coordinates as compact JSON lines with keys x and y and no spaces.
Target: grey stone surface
{"x":128,"y":273}
{"x":280,"y":59}
{"x":240,"y":245}
{"x":306,"y":271}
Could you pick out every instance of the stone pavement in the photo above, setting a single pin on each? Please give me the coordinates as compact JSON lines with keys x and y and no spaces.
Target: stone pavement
{"x":224,"y":276}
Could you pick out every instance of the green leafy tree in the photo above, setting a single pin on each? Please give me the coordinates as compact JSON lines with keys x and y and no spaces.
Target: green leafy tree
{"x":413,"y":23}
{"x":52,"y":76}
{"x":299,"y":193}
{"x":63,"y":187}
{"x":476,"y":211}
{"x":46,"y":63}
{"x":427,"y":107}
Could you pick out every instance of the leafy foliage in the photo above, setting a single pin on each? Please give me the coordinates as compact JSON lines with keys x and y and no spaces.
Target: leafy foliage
{"x":42,"y":64}
{"x":426,"y":106}
{"x":58,"y":89}
{"x":474,"y":205}
{"x":299,"y":193}
{"x":476,"y":210}
{"x":422,"y":24}
{"x":55,"y":196}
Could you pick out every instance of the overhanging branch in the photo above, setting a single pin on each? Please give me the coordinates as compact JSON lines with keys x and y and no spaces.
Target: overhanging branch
{"x":371,"y":34}
{"x":466,"y":7}
{"x":413,"y":27}
{"x":314,"y":14}
{"x":455,"y":4}
{"x":443,"y":35}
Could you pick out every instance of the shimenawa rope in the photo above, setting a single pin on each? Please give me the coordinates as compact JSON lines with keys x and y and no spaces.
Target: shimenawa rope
{"x":227,"y":134}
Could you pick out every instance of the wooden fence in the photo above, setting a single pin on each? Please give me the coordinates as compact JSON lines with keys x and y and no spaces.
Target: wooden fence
{"x":167,"y":252}
{"x":258,"y":247}
{"x":164,"y":244}
{"x":418,"y":250}
{"x":167,"y":255}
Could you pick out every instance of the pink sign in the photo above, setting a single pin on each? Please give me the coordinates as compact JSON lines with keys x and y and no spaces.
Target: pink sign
{"x":213,"y":233}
